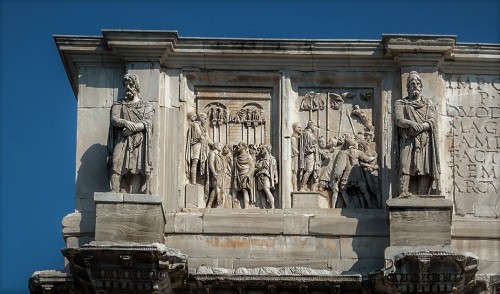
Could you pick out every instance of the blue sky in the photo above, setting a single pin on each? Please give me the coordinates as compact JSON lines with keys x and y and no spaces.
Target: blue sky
{"x":38,"y":108}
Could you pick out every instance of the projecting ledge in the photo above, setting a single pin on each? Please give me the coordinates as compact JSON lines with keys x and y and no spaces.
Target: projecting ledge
{"x":330,"y":222}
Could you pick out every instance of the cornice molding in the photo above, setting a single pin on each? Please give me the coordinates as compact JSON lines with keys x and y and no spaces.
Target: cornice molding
{"x":117,"y":47}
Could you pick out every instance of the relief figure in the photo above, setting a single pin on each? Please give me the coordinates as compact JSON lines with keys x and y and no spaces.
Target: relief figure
{"x":308,"y":157}
{"x":243,"y":180}
{"x":129,"y":140}
{"x":415,"y":117}
{"x":327,"y":177}
{"x":266,"y":174}
{"x":371,"y":169}
{"x":215,"y":177}
{"x":353,"y":184}
{"x":295,"y":138}
{"x":227,"y":160}
{"x":197,"y":146}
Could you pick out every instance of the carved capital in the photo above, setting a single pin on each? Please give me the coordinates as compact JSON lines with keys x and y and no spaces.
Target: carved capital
{"x":129,"y":266}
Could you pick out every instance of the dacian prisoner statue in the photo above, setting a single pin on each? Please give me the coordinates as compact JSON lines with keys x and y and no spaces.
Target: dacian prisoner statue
{"x":129,"y":140}
{"x":419,"y":160}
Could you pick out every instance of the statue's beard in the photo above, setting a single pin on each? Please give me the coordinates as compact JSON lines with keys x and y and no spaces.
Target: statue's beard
{"x":130,"y":94}
{"x":415,"y":93}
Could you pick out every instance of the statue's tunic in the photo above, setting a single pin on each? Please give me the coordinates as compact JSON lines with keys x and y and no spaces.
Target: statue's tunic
{"x":131,"y":154}
{"x":418,"y":151}
{"x":244,"y":168}
{"x":308,"y":156}
{"x":197,"y":145}
{"x":267,"y":174}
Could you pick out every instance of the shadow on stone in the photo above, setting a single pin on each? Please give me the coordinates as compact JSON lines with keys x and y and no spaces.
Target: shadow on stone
{"x":92,"y":176}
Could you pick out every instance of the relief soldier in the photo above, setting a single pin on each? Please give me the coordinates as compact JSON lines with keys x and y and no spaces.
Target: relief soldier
{"x":266,"y":174}
{"x":295,"y":138}
{"x":215,"y":177}
{"x":308,"y":157}
{"x":227,"y":156}
{"x":353,"y":178}
{"x":197,"y":145}
{"x":244,"y":168}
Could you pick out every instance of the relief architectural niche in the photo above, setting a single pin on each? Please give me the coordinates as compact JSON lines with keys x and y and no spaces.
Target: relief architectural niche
{"x":129,"y":141}
{"x":334,"y":156}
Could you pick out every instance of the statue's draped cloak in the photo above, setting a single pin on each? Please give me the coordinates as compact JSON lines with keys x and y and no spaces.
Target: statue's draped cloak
{"x":243,"y":172}
{"x":267,"y":174}
{"x":418,"y":153}
{"x":197,"y":146}
{"x":308,"y":152}
{"x":131,"y":154}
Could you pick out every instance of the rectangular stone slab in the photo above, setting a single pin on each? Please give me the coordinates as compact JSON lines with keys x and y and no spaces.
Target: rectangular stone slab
{"x":419,"y":221}
{"x":309,"y":200}
{"x":129,"y":218}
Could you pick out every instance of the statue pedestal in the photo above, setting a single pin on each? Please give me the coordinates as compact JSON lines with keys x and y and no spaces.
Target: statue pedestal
{"x":129,"y":218}
{"x":195,"y":196}
{"x":419,"y":221}
{"x":420,"y":258}
{"x":309,"y":200}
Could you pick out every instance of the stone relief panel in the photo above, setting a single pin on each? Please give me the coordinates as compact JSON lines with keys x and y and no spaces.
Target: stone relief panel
{"x":334,"y":151}
{"x":228,"y":148}
{"x":473,"y":137}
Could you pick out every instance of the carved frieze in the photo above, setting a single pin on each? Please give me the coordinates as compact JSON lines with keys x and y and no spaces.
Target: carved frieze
{"x":270,"y":279}
{"x":228,"y":148}
{"x":334,"y":152}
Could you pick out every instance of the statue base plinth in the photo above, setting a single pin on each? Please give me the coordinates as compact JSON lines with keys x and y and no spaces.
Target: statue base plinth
{"x":129,"y":217}
{"x":420,"y":258}
{"x":419,"y":221}
{"x":309,"y":200}
{"x":195,"y":196}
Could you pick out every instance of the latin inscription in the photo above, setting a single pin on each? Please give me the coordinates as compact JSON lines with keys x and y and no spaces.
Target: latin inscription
{"x":474,"y":128}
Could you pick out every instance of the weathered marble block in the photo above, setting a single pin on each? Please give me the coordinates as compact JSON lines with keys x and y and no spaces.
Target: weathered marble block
{"x":194,"y":196}
{"x":309,"y":200}
{"x":419,"y":221}
{"x":129,"y":217}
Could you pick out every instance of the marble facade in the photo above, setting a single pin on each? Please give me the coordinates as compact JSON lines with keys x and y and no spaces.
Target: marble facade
{"x":275,"y":166}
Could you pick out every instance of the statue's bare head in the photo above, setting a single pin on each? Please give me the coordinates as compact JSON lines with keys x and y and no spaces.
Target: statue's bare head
{"x":216,"y":146}
{"x":192,"y":116}
{"x":226,"y":149}
{"x":351,"y":143}
{"x":414,"y":85}
{"x":333,"y":142}
{"x":242,"y":146}
{"x":266,"y":149}
{"x":203,"y":117}
{"x":322,"y":142}
{"x":311,"y":125}
{"x":131,"y":84}
{"x":297,"y":129}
